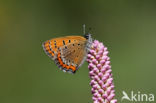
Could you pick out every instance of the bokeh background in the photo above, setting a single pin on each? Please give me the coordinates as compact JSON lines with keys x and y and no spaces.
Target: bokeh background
{"x":28,"y":75}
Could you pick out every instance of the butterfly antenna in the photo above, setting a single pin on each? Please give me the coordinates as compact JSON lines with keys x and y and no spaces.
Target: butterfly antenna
{"x":84,"y":29}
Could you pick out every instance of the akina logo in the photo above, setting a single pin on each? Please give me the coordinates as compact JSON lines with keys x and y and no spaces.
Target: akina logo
{"x":137,"y":97}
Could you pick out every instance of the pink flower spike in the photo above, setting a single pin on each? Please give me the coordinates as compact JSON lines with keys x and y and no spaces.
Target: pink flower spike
{"x":101,"y":74}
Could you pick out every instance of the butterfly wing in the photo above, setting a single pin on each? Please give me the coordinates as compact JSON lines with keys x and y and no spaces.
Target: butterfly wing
{"x":67,"y":52}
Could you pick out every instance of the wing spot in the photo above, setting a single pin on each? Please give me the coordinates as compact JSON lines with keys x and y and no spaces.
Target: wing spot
{"x":69,"y":41}
{"x":64,"y":42}
{"x":78,"y":44}
{"x":65,"y":47}
{"x":73,"y":45}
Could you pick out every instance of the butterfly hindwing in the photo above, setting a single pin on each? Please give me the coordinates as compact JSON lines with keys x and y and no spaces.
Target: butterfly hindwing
{"x":74,"y":53}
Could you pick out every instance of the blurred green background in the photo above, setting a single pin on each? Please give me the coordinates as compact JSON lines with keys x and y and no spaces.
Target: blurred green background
{"x":27,"y":75}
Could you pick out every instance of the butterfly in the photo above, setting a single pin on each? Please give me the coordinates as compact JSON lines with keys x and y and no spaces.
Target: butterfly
{"x":68,"y":52}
